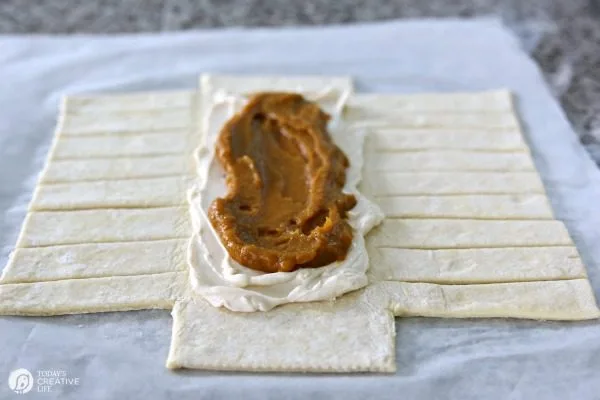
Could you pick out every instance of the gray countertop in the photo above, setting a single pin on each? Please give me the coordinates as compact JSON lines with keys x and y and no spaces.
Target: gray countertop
{"x":562,"y":36}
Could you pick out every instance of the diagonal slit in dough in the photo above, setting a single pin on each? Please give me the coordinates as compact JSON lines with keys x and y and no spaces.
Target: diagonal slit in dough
{"x":79,"y":296}
{"x":94,"y":260}
{"x":465,"y":266}
{"x":128,"y":193}
{"x":528,"y":206}
{"x":452,"y":233}
{"x":47,"y":228}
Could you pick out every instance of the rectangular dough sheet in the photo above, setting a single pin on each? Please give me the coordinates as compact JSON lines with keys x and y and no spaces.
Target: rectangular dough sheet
{"x":62,"y":171}
{"x":79,"y":296}
{"x":466,"y":102}
{"x":111,"y":146}
{"x":47,"y":228}
{"x":561,"y":300}
{"x":134,"y":121}
{"x":447,"y":160}
{"x":465,"y":233}
{"x":447,"y":183}
{"x":128,"y":193}
{"x":384,"y":140}
{"x":119,"y":102}
{"x":95,"y":260}
{"x":464,"y":266}
{"x":347,"y":335}
{"x":499,"y":206}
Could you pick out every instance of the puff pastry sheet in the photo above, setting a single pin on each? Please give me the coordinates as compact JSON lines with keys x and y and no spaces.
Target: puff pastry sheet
{"x":464,"y":237}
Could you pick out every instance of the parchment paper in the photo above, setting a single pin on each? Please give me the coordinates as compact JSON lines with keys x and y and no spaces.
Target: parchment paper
{"x":122,"y":355}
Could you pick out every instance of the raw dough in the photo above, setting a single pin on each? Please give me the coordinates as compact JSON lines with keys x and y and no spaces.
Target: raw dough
{"x":549,"y":300}
{"x":480,"y":102}
{"x":135,"y":121}
{"x":466,"y":233}
{"x":132,"y":145}
{"x":118,"y":102}
{"x":447,"y":160}
{"x":354,"y":333}
{"x":499,"y":206}
{"x":465,"y":266}
{"x":377,"y":119}
{"x":128,"y":193}
{"x":425,"y":183}
{"x":78,"y":296}
{"x":62,"y":171}
{"x":95,"y":260}
{"x":390,"y":139}
{"x":46,"y":228}
{"x":347,"y":335}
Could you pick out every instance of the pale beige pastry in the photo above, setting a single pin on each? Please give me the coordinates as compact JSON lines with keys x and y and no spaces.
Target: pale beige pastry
{"x":123,"y":193}
{"x":443,"y":183}
{"x":131,"y":145}
{"x":130,"y":102}
{"x":468,"y":233}
{"x":402,"y":139}
{"x":468,"y":206}
{"x":79,"y":296}
{"x":140,"y":121}
{"x":466,"y":266}
{"x":374,"y":119}
{"x":101,"y":169}
{"x":47,"y":228}
{"x":447,"y":160}
{"x":458,"y":225}
{"x":92,"y":260}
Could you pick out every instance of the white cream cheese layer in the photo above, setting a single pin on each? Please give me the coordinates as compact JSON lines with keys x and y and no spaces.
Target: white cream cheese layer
{"x":225,"y":283}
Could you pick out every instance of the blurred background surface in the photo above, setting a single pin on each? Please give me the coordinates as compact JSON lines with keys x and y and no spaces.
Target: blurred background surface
{"x":563,"y":36}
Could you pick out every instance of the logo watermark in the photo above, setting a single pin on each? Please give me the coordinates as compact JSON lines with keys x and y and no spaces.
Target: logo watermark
{"x":22,"y":381}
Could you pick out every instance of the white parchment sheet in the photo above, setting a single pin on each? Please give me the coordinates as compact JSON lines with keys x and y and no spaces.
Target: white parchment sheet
{"x":122,"y":355}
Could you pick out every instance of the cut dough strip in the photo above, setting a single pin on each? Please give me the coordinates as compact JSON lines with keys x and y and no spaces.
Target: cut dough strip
{"x":347,"y":335}
{"x":453,"y":233}
{"x":466,"y":266}
{"x":129,"y":193}
{"x":148,"y":144}
{"x":47,"y":228}
{"x":95,"y":260}
{"x":479,"y":102}
{"x":390,"y":119}
{"x":384,"y":140}
{"x":447,"y":160}
{"x":147,"y":101}
{"x":432,"y":183}
{"x":528,"y":206}
{"x":548,"y":300}
{"x":89,"y":124}
{"x":79,"y":296}
{"x":61,"y":171}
